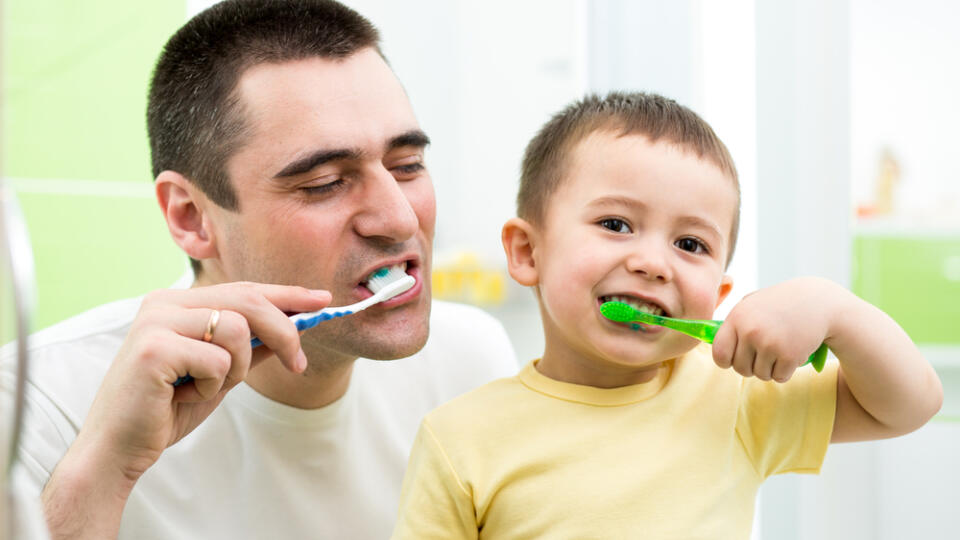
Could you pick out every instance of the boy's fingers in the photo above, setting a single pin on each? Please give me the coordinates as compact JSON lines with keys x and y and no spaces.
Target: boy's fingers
{"x":763,"y":366}
{"x":783,"y":370}
{"x":743,"y":358}
{"x":724,"y":344}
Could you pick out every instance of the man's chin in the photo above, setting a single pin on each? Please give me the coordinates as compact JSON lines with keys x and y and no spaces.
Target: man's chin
{"x":374,"y":345}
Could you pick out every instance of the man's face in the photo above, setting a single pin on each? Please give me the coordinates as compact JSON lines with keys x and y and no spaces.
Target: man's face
{"x":332,"y":185}
{"x":643,"y":223}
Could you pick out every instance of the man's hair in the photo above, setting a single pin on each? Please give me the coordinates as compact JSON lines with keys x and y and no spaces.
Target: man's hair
{"x":625,"y":113}
{"x":195,"y":119}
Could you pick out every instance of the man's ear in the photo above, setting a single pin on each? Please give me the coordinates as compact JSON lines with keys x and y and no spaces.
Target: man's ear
{"x":519,"y":239}
{"x":726,"y":285}
{"x":183,"y":206}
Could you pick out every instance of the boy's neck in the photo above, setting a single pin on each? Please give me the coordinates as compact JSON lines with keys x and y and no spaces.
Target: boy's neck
{"x":577,"y":370}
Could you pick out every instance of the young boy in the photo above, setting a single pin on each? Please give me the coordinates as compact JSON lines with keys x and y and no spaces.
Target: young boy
{"x":617,"y":432}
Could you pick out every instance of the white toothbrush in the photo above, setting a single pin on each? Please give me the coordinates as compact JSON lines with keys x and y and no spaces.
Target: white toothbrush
{"x":385,"y":283}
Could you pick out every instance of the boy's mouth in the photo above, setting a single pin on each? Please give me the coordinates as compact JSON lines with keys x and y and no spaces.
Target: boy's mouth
{"x":636,"y":303}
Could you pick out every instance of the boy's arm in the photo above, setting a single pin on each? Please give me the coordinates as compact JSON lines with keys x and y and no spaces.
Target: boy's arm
{"x":885,"y":387}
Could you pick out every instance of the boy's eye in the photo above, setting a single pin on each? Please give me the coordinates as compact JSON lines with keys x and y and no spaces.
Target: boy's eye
{"x":615,"y":225}
{"x":691,"y":244}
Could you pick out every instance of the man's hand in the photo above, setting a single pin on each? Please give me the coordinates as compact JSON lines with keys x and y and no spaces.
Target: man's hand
{"x":138,"y":412}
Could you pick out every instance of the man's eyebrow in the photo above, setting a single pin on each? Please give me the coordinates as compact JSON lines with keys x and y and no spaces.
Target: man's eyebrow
{"x":310,"y":162}
{"x":414,"y":137}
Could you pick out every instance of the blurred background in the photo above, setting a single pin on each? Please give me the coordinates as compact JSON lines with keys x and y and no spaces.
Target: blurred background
{"x":840,"y":114}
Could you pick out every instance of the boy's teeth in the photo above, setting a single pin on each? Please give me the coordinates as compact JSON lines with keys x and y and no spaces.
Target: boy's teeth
{"x":636,"y":303}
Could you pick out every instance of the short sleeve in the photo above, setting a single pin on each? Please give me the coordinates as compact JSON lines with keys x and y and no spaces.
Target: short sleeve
{"x":786,"y":427}
{"x":434,"y":504}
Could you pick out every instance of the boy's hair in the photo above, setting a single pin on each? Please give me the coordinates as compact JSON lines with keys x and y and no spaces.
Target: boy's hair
{"x":194,"y":118}
{"x":627,"y":113}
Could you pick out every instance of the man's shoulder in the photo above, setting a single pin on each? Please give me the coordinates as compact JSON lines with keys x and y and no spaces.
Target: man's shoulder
{"x":466,"y":348}
{"x":69,"y":359}
{"x":454,"y":317}
{"x":468,"y":336}
{"x":94,"y":329}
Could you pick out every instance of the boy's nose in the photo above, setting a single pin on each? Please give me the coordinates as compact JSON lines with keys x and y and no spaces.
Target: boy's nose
{"x":651,"y":263}
{"x":386,"y":213}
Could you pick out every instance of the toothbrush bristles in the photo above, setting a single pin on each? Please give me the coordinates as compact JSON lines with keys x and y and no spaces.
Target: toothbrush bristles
{"x":385,"y":276}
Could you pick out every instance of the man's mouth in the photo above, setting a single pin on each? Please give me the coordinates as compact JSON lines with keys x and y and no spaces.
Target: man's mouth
{"x":398,"y":268}
{"x":636,"y":303}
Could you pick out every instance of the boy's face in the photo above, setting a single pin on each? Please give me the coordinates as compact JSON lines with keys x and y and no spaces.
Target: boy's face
{"x":650,"y":222}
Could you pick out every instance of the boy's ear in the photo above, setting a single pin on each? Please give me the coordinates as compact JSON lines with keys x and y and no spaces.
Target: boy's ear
{"x":519,"y":240}
{"x":726,"y":285}
{"x":183,"y":204}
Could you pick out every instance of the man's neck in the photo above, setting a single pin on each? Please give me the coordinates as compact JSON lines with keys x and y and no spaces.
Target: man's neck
{"x":316,"y":387}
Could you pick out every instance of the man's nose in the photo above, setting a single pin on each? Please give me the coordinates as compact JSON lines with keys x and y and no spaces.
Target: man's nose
{"x":387,"y":214}
{"x":651,"y":260}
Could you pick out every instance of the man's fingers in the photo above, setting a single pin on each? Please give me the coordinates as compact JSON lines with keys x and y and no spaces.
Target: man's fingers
{"x":237,"y":296}
{"x":261,"y":305}
{"x":207,"y":363}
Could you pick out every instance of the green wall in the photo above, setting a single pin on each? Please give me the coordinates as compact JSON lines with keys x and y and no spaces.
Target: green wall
{"x":75,"y":149}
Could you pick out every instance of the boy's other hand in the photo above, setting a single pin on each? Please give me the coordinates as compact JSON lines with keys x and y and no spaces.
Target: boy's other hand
{"x":772,"y":331}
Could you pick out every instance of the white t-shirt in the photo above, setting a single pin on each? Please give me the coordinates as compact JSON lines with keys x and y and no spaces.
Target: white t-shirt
{"x":257,"y":468}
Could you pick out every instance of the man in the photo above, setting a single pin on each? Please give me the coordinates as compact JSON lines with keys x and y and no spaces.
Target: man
{"x":286,"y":153}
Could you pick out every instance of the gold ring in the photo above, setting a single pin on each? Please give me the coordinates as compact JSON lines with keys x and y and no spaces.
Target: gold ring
{"x":211,"y":325}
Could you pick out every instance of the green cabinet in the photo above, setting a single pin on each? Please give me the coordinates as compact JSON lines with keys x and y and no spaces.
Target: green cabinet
{"x":914,"y":277}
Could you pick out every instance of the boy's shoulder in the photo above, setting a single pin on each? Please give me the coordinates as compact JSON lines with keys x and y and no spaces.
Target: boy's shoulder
{"x":484,"y":406}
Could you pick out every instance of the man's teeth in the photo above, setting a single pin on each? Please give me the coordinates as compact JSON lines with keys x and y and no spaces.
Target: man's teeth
{"x":635,"y":303}
{"x":381,"y":272}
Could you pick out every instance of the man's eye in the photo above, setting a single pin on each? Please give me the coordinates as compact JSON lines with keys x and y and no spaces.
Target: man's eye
{"x":412,"y":168}
{"x":692,"y":245}
{"x":615,"y":225}
{"x":323,"y":189}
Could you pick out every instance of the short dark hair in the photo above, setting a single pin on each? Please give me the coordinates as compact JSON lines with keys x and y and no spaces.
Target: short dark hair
{"x":626,"y":113}
{"x":194,"y":118}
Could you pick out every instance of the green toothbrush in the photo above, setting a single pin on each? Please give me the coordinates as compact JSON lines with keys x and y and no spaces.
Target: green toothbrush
{"x":702,"y":330}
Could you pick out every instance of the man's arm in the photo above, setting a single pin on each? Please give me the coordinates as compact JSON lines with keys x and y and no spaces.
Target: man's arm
{"x":138,"y":412}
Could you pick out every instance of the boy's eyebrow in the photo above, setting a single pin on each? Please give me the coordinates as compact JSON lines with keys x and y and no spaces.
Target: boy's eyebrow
{"x":612,"y":200}
{"x":415,"y":137}
{"x":698,"y":221}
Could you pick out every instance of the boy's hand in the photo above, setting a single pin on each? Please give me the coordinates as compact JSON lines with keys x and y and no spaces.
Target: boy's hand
{"x":773,"y":331}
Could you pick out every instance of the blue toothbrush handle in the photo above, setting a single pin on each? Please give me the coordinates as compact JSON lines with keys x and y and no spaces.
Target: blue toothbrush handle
{"x":301,"y":324}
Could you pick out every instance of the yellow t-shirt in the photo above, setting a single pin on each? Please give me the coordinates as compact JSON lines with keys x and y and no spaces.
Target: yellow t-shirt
{"x":681,"y":456}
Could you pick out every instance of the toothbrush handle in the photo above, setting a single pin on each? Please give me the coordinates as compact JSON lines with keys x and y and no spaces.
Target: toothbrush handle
{"x":707,"y":330}
{"x":818,"y":358}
